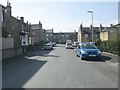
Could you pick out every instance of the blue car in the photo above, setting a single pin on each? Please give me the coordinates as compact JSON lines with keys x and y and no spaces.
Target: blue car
{"x":87,"y":50}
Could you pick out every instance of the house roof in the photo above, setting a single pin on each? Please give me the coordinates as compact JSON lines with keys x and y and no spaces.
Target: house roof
{"x":48,"y":31}
{"x":113,"y":28}
{"x":15,"y":19}
{"x":87,"y":30}
{"x":2,"y":6}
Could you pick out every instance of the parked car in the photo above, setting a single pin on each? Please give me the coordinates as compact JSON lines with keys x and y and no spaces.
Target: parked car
{"x":51,"y":44}
{"x":87,"y":50}
{"x":54,"y":44}
{"x":69,"y":46}
{"x":48,"y":46}
{"x":75,"y":44}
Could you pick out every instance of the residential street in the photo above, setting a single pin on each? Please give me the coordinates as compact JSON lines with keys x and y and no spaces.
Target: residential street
{"x":58,"y":68}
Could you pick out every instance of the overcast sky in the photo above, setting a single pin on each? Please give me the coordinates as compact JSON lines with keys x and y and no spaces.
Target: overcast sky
{"x":64,"y":16}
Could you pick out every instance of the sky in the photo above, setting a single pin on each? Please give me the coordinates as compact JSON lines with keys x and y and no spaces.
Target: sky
{"x":65,"y":16}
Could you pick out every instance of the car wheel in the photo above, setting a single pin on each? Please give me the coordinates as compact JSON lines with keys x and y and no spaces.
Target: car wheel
{"x":76,"y":55}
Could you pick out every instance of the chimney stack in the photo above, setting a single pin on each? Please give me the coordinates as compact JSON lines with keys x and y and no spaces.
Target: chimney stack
{"x":111,"y":25}
{"x":8,"y":9}
{"x":100,"y":28}
{"x":22,"y":19}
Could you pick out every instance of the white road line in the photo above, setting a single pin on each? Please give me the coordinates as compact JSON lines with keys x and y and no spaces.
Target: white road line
{"x":8,"y":65}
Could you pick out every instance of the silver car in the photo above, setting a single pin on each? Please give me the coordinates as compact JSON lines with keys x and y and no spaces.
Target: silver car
{"x":48,"y":46}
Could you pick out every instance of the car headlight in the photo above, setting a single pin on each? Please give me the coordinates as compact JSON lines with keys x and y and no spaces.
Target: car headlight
{"x":84,"y":52}
{"x":99,"y":52}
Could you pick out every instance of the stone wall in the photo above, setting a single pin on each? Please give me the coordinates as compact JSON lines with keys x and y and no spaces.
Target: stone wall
{"x":11,"y":52}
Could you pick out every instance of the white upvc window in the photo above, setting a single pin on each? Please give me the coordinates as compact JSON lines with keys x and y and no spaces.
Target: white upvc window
{"x":47,"y":35}
{"x":66,"y":35}
{"x":2,"y":16}
{"x":47,"y":39}
{"x":86,"y":35}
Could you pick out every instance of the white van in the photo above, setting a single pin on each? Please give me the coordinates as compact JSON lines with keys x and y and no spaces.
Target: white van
{"x":69,"y":44}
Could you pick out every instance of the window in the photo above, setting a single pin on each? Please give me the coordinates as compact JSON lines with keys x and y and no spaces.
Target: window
{"x":22,"y":28}
{"x":96,"y":36}
{"x":2,"y":16}
{"x":47,"y":35}
{"x":5,"y":10}
{"x":86,"y":35}
{"x":66,"y":35}
{"x":23,"y":37}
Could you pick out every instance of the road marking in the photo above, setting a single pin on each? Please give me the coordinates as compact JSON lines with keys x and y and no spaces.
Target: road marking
{"x":8,"y":65}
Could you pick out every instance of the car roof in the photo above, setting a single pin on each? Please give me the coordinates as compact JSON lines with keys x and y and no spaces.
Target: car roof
{"x":47,"y":44}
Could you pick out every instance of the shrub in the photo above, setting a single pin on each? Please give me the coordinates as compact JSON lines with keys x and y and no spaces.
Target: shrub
{"x":109,"y":46}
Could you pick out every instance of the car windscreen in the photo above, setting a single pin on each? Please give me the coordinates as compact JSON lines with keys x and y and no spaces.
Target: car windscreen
{"x":69,"y":44}
{"x":47,"y":45}
{"x":89,"y":46}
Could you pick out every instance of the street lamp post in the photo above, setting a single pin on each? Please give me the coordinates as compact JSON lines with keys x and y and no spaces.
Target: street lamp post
{"x":92,"y":23}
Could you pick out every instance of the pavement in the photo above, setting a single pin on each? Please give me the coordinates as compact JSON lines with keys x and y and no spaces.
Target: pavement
{"x":110,"y":57}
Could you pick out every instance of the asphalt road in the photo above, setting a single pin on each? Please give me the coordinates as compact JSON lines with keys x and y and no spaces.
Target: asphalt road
{"x":59,"y":68}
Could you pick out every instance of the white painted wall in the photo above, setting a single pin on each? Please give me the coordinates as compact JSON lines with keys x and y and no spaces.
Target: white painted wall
{"x":25,"y":39}
{"x":0,"y":34}
{"x":0,"y":21}
{"x":7,"y":43}
{"x":0,"y":48}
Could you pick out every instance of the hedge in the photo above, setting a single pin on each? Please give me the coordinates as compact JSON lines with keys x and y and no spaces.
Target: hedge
{"x":109,"y":46}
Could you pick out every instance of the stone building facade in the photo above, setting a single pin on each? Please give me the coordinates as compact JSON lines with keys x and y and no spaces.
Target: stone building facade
{"x":11,"y":43}
{"x":62,"y":37}
{"x":110,"y":34}
{"x":37,"y":31}
{"x":85,"y":33}
{"x":12,"y":31}
{"x":25,"y":34}
{"x":49,"y":35}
